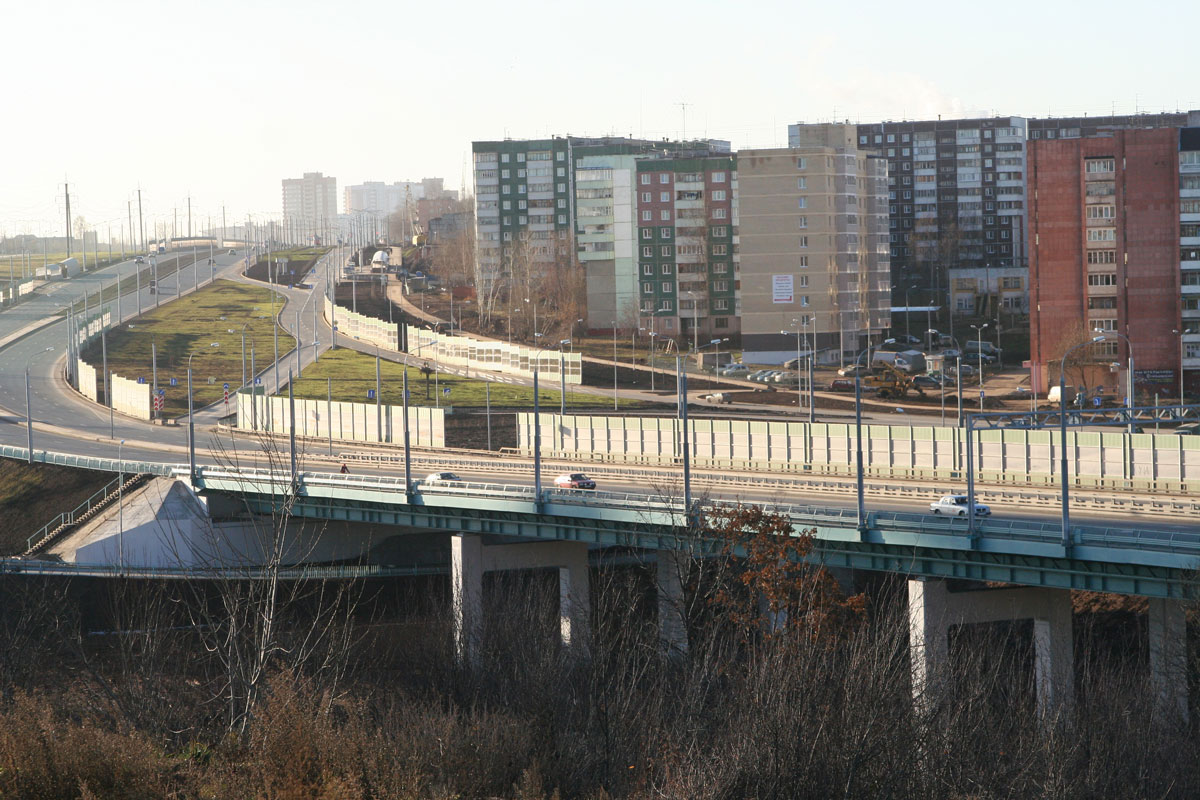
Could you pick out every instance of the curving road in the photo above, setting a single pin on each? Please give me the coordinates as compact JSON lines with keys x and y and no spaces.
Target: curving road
{"x":66,"y":422}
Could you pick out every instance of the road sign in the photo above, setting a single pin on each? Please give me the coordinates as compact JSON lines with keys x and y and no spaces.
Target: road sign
{"x":141,"y":380}
{"x":258,"y":381}
{"x":174,"y":381}
{"x":226,"y":387}
{"x":446,"y":390}
{"x":370,"y":394}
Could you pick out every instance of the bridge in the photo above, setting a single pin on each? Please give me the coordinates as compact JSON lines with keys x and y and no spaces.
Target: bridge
{"x":473,"y":527}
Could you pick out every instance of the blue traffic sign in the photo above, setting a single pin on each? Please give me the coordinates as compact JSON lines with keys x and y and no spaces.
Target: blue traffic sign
{"x":446,"y":390}
{"x":141,"y":380}
{"x":370,"y":394}
{"x":258,"y":381}
{"x":162,"y":392}
{"x":227,"y":387}
{"x":174,"y":381}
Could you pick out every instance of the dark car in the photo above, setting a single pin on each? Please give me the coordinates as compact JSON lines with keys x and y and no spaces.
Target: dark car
{"x":841,"y":385}
{"x":574,"y":480}
{"x":927,"y":382}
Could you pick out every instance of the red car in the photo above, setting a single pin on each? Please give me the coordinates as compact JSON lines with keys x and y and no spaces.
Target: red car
{"x":841,"y":385}
{"x":575,"y":480}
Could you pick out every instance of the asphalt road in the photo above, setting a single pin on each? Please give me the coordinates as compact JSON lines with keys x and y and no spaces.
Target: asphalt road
{"x":65,"y":422}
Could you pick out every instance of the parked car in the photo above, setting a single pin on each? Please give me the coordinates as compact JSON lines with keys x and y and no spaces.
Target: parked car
{"x":975,"y":356}
{"x":793,"y":363}
{"x":1189,"y":429}
{"x":956,"y":505}
{"x":949,"y":354}
{"x":850,"y":370}
{"x":759,"y":375}
{"x":841,"y":385}
{"x":574,"y":480}
{"x":905,"y":338}
{"x":139,"y":260}
{"x":786,"y":378}
{"x":736,"y":370}
{"x":233,"y":252}
{"x":441,"y":479}
{"x":927,"y":382}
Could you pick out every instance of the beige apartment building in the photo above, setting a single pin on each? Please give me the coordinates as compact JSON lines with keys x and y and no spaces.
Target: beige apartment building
{"x":813,"y":245}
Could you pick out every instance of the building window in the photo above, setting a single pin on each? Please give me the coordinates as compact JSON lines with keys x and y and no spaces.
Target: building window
{"x":1101,"y":212}
{"x":801,"y":202}
{"x":803,"y":299}
{"x":506,"y":205}
{"x":562,"y":219}
{"x":647,"y":233}
{"x":720,"y":249}
{"x":1102,"y":279}
{"x":804,"y":241}
{"x":647,"y":288}
{"x":664,"y":197}
{"x":664,"y":215}
{"x":801,"y":183}
{"x":803,"y":281}
{"x":1093,"y":165}
{"x":666,"y":251}
{"x":645,"y":197}
{"x":647,"y":269}
{"x":718,"y":194}
{"x":562,"y":187}
{"x":504,"y":173}
{"x":801,"y":163}
{"x":718,"y":177}
{"x":667,"y":286}
{"x":720,"y":267}
{"x":647,"y":252}
{"x":664,"y":233}
{"x":645,"y":179}
{"x":720,"y":230}
{"x":720,"y":286}
{"x":1102,"y":257}
{"x":1102,"y":302}
{"x":1010,"y":283}
{"x":664,"y":177}
{"x":1102,"y":234}
{"x":803,"y":261}
{"x":1104,"y":324}
{"x":718,"y":213}
{"x":721,"y":305}
{"x":666,"y":269}
{"x":647,"y":306}
{"x":520,"y":157}
{"x":647,"y":216}
{"x":801,"y":222}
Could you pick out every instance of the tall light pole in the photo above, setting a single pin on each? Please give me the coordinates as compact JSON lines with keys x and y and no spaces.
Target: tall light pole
{"x":858,"y":454}
{"x":799,"y":383}
{"x":1182,"y":347}
{"x":979,"y":330}
{"x":120,"y":505}
{"x":1129,"y":387}
{"x":244,"y":354}
{"x":192,"y":421}
{"x":29,"y":403}
{"x":562,"y":381}
{"x":1062,"y":440}
{"x":615,"y":365}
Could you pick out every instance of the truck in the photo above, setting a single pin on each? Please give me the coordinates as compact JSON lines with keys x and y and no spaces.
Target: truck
{"x":67,"y":268}
{"x":975,"y":346}
{"x":910,"y":361}
{"x":381,"y":258}
{"x":890,"y":382}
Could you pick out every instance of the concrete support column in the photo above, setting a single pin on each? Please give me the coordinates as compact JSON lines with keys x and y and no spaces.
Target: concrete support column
{"x":1054,"y":654}
{"x":933,"y":610}
{"x":672,"y":622}
{"x":574,"y":597}
{"x":929,"y":647}
{"x":466,"y":581}
{"x":1167,"y":631}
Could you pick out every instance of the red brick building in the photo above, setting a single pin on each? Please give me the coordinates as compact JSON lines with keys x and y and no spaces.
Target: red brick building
{"x":1104,"y":255}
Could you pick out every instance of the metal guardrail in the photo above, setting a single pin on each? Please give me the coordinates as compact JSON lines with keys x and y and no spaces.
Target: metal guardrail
{"x":69,"y":517}
{"x":90,"y":462}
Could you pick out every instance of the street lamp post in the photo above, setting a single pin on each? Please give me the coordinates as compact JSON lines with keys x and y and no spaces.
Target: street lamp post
{"x":562,"y":381}
{"x":979,"y":330}
{"x":244,"y":355}
{"x":1062,"y":440}
{"x":799,"y":383}
{"x":120,"y":505}
{"x":614,"y":324}
{"x":858,"y":455}
{"x":1182,"y":347}
{"x":29,"y":403}
{"x":1129,"y":387}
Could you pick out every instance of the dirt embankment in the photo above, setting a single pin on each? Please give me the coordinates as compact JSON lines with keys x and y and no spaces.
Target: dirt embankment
{"x":32,"y":495}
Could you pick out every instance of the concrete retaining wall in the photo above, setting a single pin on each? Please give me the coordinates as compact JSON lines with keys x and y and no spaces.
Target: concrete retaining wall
{"x":485,"y":354}
{"x":130,"y":397}
{"x":364,"y":328}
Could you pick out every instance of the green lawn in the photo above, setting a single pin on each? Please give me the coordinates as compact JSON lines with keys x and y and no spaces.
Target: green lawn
{"x":12,"y":265}
{"x":353,"y":375}
{"x":191,"y":325}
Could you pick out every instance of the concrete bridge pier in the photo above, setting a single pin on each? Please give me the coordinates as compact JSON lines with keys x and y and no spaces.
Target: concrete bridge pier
{"x":1167,"y":631}
{"x":672,"y":621}
{"x":933,"y":610}
{"x":470,"y":558}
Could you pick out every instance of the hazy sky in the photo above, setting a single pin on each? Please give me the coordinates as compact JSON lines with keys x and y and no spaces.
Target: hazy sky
{"x":221,"y":100}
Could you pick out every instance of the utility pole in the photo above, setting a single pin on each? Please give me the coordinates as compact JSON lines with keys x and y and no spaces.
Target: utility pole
{"x":189,"y":216}
{"x":67,"y":190}
{"x":129,"y":214}
{"x":142,"y":223}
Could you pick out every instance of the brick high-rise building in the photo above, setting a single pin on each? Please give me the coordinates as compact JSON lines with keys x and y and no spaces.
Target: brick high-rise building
{"x":1104,"y":216}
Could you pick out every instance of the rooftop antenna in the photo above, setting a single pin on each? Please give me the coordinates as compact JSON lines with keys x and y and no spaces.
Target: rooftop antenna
{"x":683,"y":111}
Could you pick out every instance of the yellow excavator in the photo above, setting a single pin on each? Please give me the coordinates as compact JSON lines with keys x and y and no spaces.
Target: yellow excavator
{"x":890,"y":382}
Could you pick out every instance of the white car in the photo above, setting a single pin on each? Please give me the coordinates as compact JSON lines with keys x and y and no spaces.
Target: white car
{"x":956,"y":505}
{"x":441,"y":479}
{"x":733,"y":369}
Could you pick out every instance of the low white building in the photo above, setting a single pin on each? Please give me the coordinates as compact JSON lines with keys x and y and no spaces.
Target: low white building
{"x":981,"y":291}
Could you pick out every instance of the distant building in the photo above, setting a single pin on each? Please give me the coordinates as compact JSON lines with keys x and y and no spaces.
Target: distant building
{"x":812,"y":238}
{"x":1106,"y":253}
{"x":310,"y":205}
{"x":984,"y":291}
{"x":559,"y":202}
{"x":687,"y":261}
